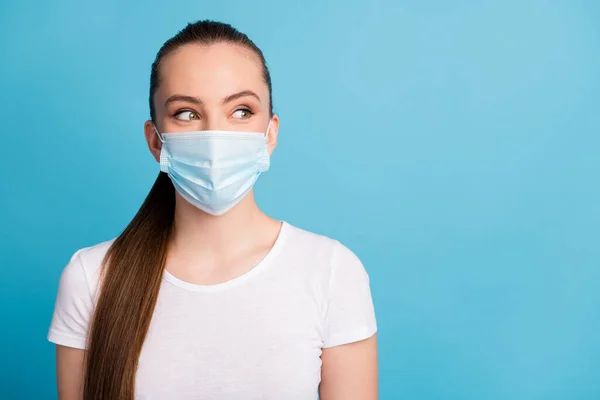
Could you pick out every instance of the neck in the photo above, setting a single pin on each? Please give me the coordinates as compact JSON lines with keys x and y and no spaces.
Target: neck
{"x":195,"y":230}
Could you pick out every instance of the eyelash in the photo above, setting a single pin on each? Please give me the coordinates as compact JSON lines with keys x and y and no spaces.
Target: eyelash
{"x":182,"y":111}
{"x":244,"y":108}
{"x":247,"y":109}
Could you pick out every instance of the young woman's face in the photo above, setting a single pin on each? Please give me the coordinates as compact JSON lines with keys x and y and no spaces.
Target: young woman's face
{"x":216,"y":87}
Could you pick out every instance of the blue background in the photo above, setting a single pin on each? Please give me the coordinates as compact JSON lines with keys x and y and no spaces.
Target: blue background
{"x":453,"y":145}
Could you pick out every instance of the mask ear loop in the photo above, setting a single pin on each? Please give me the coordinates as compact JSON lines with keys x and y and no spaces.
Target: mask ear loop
{"x":263,"y":156}
{"x":268,"y":128}
{"x":164,"y":158}
{"x":159,"y":135}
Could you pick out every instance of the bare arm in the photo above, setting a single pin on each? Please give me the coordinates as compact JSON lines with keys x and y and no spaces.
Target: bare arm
{"x":349,"y":371}
{"x":69,"y":372}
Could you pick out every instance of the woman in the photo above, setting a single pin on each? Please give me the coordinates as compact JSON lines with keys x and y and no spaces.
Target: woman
{"x":203,"y":296}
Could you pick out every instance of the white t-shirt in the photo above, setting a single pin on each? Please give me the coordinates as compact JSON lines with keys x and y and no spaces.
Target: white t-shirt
{"x":257,"y":336}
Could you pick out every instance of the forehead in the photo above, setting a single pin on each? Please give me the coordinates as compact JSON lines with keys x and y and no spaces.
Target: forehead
{"x":211,"y":72}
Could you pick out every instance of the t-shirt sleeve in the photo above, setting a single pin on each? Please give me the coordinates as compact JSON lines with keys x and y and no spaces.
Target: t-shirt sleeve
{"x":73,"y":306}
{"x":350,"y":315}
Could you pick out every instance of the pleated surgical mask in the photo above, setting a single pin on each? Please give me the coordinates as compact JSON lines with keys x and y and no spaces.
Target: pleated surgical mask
{"x":214,"y":170}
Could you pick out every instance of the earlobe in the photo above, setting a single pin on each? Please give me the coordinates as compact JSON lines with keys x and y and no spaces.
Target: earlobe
{"x":271,"y":144}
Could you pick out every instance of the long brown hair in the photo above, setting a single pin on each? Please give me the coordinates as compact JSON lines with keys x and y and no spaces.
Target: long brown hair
{"x":133,"y":266}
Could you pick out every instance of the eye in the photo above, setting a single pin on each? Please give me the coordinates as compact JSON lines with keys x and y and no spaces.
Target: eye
{"x":242,"y":113}
{"x":186,"y":115}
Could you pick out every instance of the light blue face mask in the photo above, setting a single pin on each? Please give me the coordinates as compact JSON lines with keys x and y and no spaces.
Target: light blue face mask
{"x":214,"y":170}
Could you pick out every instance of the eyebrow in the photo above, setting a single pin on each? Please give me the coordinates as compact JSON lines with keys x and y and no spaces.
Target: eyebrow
{"x":196,"y":100}
{"x":238,"y":95}
{"x":180,"y":97}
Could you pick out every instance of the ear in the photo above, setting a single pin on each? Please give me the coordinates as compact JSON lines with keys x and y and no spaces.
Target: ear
{"x":154,"y":143}
{"x":272,"y":134}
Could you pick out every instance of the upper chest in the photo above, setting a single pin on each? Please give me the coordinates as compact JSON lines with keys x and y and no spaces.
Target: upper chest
{"x":263,"y":338}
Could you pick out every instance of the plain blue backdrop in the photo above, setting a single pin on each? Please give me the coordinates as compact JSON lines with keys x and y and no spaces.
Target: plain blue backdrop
{"x":453,"y":145}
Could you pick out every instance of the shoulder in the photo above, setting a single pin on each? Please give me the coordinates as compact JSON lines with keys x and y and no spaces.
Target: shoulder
{"x":91,"y":257}
{"x":309,"y":243}
{"x":321,"y":250}
{"x":343,"y":288}
{"x":76,"y":295}
{"x":83,"y":269}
